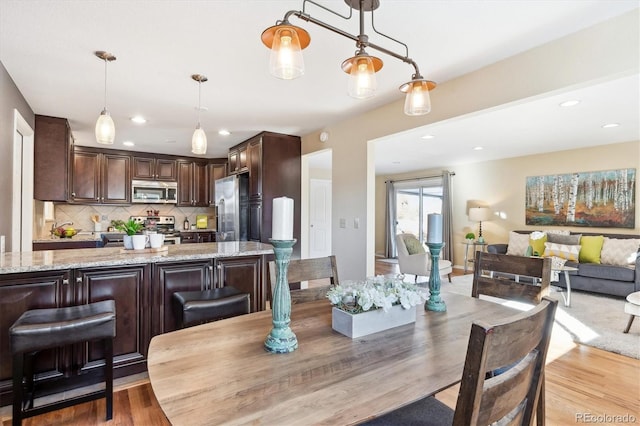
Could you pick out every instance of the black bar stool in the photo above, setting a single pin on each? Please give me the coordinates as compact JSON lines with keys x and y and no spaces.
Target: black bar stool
{"x":40,"y":329}
{"x":197,"y":307}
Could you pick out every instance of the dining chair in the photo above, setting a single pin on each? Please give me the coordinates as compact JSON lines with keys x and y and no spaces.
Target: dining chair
{"x":519,"y":346}
{"x":415,"y":259}
{"x":521,"y":278}
{"x":307,"y":270}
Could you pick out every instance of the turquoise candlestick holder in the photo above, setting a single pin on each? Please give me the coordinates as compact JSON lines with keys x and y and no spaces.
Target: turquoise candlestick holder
{"x":281,"y":339}
{"x":435,"y":302}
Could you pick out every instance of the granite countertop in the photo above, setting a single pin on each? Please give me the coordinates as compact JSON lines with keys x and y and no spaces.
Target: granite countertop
{"x":198,"y":230}
{"x":49,"y":260}
{"x":82,"y":236}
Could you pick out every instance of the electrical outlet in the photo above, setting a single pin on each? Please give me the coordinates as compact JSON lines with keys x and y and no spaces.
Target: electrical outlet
{"x":104,"y":217}
{"x":343,"y":222}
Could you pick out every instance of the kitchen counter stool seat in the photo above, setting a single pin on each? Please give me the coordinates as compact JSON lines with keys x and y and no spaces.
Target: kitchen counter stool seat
{"x":198,"y":307}
{"x":41,"y":329}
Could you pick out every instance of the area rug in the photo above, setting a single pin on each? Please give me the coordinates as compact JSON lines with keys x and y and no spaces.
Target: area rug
{"x":593,"y":320}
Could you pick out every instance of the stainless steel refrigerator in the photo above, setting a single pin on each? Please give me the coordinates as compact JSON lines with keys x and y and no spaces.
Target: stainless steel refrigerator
{"x":232,"y":208}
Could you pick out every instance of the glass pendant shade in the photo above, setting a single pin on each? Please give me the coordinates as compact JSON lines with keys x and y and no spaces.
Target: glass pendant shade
{"x":417,"y":100}
{"x":105,"y":129}
{"x":286,"y":60}
{"x":199,"y":141}
{"x":362,"y":77}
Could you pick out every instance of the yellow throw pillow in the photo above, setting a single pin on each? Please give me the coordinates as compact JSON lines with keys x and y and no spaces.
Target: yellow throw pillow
{"x":591,"y":248}
{"x":563,"y":251}
{"x":537,"y":245}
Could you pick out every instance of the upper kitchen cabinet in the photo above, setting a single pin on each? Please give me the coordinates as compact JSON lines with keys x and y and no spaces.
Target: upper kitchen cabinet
{"x":100,"y":177}
{"x":274,"y":171}
{"x":217,"y":170}
{"x":238,"y":159}
{"x":193,"y":183}
{"x":154,"y":168}
{"x":52,"y":158}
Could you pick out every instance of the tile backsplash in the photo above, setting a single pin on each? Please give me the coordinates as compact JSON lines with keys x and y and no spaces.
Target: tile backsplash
{"x":80,"y":215}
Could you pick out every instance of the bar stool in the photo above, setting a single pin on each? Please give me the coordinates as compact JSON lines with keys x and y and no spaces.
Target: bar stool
{"x":40,"y":329}
{"x":198,"y":307}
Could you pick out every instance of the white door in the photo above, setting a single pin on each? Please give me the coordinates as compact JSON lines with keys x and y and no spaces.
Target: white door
{"x":22,"y":198}
{"x":319,"y":217}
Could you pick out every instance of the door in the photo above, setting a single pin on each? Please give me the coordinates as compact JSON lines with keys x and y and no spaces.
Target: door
{"x":242,"y":273}
{"x":414,"y":202}
{"x":319,"y":217}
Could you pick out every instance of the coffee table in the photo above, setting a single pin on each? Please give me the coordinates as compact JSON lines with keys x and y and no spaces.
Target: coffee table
{"x":566,"y":270}
{"x":632,"y":307}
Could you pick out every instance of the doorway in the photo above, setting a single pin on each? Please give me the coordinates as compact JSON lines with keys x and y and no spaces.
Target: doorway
{"x":22,"y":190}
{"x":316,"y":212}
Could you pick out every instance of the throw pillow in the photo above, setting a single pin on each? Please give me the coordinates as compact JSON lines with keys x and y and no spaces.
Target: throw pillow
{"x":556,"y":232}
{"x":571,"y":240}
{"x":414,"y":246}
{"x":591,"y":248}
{"x":563,"y":251}
{"x":619,"y":251}
{"x":536,"y":241}
{"x":518,"y":244}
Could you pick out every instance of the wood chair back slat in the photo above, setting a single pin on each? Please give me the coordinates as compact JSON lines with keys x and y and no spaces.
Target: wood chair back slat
{"x":308,"y":270}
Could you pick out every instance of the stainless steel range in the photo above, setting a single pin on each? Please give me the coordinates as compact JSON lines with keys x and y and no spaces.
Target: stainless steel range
{"x":161,"y":224}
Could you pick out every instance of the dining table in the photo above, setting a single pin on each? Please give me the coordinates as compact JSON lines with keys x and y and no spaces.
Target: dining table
{"x":219,"y":373}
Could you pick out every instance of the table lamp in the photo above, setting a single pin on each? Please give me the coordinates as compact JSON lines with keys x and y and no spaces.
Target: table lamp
{"x":479,"y":214}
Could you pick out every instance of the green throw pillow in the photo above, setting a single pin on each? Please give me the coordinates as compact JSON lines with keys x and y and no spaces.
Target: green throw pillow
{"x":537,"y":246}
{"x":591,"y":248}
{"x":413,"y":245}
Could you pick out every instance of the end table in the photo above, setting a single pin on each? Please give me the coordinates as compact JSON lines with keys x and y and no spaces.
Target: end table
{"x":475,"y":244}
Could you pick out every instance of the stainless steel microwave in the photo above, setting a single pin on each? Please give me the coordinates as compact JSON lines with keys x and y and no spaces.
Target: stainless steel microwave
{"x":154,"y":192}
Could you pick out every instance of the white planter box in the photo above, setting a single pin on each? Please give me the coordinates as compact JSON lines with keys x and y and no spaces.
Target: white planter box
{"x":357,"y":325}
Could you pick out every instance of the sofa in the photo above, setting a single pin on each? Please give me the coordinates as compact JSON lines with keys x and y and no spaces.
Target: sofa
{"x":613,"y":270}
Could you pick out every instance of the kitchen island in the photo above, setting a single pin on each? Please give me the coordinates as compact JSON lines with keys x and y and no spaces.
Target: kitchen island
{"x":142,"y":285}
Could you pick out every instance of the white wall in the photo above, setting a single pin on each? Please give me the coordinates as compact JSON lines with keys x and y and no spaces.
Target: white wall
{"x":600,"y":53}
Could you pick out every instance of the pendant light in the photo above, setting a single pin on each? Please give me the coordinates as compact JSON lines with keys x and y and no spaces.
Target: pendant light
{"x":105,"y":128}
{"x":199,"y":139}
{"x":286,"y":42}
{"x":362,"y":70}
{"x":417,"y":100}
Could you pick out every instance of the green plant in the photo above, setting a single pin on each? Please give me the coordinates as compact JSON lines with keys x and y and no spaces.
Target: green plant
{"x":470,"y":236}
{"x":130,"y":227}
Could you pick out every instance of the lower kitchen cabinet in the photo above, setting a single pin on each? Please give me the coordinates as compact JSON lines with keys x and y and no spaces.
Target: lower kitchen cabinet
{"x":129,"y":287}
{"x":245,"y":274}
{"x":171,"y":277}
{"x":20,"y":293}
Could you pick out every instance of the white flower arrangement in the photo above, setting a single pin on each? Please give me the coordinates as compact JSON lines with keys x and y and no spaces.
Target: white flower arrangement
{"x":375,"y":293}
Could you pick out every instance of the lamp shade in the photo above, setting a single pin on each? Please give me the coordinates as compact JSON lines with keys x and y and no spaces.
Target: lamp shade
{"x":417,"y":101}
{"x":105,"y":129}
{"x":480,"y":214}
{"x":362,"y":70}
{"x":286,"y":60}
{"x":199,"y":141}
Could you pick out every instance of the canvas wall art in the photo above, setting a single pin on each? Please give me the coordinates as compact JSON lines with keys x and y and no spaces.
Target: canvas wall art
{"x":593,"y":199}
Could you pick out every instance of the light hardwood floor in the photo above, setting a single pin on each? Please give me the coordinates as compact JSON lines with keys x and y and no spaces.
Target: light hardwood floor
{"x":583,"y":385}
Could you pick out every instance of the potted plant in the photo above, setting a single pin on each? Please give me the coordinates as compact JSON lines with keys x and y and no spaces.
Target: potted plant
{"x":470,"y":236}
{"x":364,"y":307}
{"x":130,"y":227}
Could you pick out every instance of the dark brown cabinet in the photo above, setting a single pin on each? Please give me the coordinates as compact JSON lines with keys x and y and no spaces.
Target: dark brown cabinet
{"x":216,"y":171}
{"x":245,"y":274}
{"x":130,"y":288}
{"x":100,"y":177}
{"x":63,"y":245}
{"x":193,"y":184}
{"x":238,"y":162}
{"x":151,"y":168}
{"x":52,"y":158}
{"x":170,"y":278}
{"x":192,"y":237}
{"x":19,"y":293}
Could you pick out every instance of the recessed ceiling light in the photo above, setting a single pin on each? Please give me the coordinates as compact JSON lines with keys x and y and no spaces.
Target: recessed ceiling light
{"x":428,"y":137}
{"x":224,"y":132}
{"x":570,"y":103}
{"x":610,"y":125}
{"x":478,"y":148}
{"x":139,"y":119}
{"x":128,"y":143}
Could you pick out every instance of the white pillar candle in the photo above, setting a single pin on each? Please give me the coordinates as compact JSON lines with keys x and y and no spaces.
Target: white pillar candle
{"x":282,"y":219}
{"x":434,"y":228}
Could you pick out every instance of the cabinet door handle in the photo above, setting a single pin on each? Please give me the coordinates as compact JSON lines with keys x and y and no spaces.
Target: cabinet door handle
{"x":65,"y":281}
{"x":73,"y":194}
{"x":79,"y":280}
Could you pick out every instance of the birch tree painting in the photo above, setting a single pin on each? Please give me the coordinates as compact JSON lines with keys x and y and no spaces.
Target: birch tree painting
{"x":597,"y":199}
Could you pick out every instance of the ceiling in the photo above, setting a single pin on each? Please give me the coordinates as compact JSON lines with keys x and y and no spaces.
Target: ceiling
{"x":47,"y":47}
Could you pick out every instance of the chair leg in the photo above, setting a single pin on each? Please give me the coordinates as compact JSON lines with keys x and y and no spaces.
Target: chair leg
{"x":18,"y":364}
{"x":631,"y":317}
{"x":449,"y":276}
{"x":108,"y":376}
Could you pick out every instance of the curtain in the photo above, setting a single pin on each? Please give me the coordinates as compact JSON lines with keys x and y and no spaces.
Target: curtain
{"x":447,"y":216}
{"x":389,"y":221}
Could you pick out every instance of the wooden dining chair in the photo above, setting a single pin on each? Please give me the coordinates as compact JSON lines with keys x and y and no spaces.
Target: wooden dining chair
{"x":518,"y":345}
{"x":307,"y":270}
{"x":520,"y":278}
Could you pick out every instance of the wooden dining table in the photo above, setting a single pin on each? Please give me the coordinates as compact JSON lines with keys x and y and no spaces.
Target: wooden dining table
{"x":219,"y":373}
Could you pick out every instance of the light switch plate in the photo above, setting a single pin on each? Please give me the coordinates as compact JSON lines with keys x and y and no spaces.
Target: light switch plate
{"x":343,"y":222}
